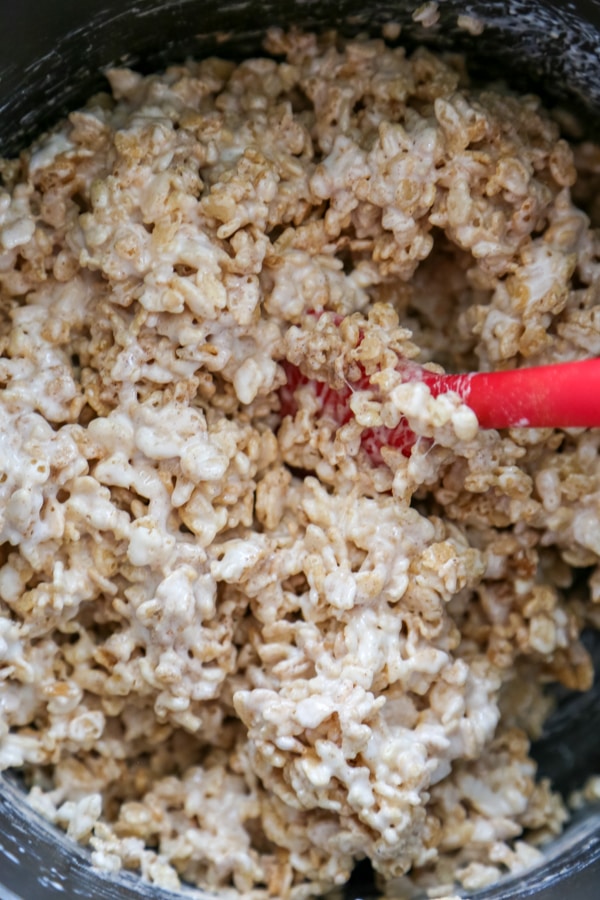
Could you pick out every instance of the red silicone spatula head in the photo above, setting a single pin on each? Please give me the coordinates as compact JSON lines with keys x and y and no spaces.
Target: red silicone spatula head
{"x":562,"y":395}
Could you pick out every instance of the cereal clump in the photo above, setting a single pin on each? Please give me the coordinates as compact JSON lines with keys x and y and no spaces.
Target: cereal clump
{"x":233,"y":651}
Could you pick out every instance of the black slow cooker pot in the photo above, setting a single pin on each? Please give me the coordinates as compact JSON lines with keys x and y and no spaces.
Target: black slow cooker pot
{"x":52,"y":53}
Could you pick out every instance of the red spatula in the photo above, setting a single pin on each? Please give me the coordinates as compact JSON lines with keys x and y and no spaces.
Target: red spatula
{"x":562,"y":395}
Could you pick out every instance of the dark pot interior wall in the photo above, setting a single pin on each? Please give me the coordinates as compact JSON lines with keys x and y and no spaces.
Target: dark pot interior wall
{"x":52,"y":53}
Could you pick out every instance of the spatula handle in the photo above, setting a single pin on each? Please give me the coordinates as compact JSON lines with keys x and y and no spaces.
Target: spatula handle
{"x":561,"y":395}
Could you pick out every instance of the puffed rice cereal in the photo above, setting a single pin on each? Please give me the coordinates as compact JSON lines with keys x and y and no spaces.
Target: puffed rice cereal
{"x":234,"y":652}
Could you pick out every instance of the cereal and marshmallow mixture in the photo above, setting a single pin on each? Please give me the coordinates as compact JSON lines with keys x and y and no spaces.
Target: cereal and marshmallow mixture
{"x":235,"y":652}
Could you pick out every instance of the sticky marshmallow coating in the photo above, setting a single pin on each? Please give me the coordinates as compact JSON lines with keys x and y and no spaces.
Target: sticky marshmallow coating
{"x":234,"y":652}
